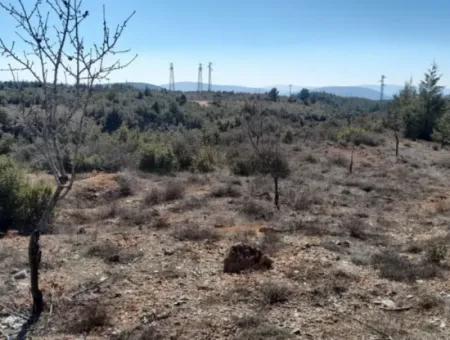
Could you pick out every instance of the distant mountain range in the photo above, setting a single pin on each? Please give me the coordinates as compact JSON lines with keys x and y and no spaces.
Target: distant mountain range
{"x":361,"y":91}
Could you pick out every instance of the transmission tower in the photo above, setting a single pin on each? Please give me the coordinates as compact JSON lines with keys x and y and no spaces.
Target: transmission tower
{"x":210,"y":69}
{"x":172,"y":78}
{"x":383,"y":78}
{"x":200,"y":78}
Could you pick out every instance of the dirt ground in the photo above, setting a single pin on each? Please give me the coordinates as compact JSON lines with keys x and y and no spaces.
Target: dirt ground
{"x":355,"y":256}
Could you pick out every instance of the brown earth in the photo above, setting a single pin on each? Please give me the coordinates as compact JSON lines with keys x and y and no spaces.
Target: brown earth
{"x":121,"y":267}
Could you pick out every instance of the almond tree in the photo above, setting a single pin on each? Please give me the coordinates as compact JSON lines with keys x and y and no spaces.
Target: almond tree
{"x":264,"y":134}
{"x":53,"y":49}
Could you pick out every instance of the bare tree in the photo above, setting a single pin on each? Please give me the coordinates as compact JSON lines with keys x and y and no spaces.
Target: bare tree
{"x":54,"y":49}
{"x":264,"y":134}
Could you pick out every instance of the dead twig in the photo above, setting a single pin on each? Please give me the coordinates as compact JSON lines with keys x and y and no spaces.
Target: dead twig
{"x":376,"y":330}
{"x":90,"y":287}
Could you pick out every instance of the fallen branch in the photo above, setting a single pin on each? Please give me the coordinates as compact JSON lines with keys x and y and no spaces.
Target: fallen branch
{"x":9,"y":310}
{"x":90,"y":287}
{"x":376,"y":330}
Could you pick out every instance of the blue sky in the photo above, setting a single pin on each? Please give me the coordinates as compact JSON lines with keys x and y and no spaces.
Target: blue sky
{"x":268,"y":42}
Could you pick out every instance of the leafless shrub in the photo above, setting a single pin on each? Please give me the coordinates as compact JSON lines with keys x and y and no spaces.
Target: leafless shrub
{"x":394,"y":267}
{"x":437,"y":252}
{"x":357,"y":228}
{"x":304,"y":199}
{"x":191,"y":232}
{"x":173,"y":191}
{"x":310,"y":158}
{"x":140,"y":333}
{"x":160,"y":222}
{"x":264,"y":331}
{"x":127,"y":184}
{"x":270,"y":243}
{"x":429,"y":301}
{"x":227,"y":190}
{"x":189,"y":204}
{"x":135,"y":215}
{"x":339,"y":160}
{"x":248,"y":321}
{"x":258,"y":210}
{"x":89,"y":318}
{"x":443,"y":206}
{"x":274,"y":292}
{"x":153,"y":197}
{"x":107,"y":211}
{"x":105,"y":250}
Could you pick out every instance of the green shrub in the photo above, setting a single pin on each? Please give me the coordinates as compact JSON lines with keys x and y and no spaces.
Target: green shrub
{"x":245,"y":164}
{"x":21,"y":204}
{"x":288,"y":138}
{"x":157,"y":158}
{"x":358,"y":136}
{"x":205,"y":160}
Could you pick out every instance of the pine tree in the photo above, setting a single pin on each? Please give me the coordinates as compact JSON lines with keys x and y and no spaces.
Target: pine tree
{"x":442,"y":131}
{"x":433,"y":102}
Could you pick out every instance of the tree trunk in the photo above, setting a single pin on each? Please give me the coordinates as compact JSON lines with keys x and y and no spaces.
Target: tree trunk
{"x":34,"y":255}
{"x":397,"y":142}
{"x":277,"y":194}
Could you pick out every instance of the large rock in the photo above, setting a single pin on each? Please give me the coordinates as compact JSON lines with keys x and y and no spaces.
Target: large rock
{"x":242,"y":257}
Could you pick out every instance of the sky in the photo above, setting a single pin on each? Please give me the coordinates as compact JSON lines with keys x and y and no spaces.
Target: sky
{"x":268,"y":42}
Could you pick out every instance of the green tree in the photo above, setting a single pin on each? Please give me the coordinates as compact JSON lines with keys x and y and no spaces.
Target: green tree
{"x":263,"y":131}
{"x":402,"y":114}
{"x":273,"y":95}
{"x":433,"y":102}
{"x":304,"y":96}
{"x":442,"y":131}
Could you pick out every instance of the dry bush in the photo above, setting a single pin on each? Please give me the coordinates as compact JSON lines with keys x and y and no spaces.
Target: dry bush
{"x":339,"y":160}
{"x":310,"y":158}
{"x":174,"y":191}
{"x":270,"y":243}
{"x":357,"y":228}
{"x":105,"y":250}
{"x":127,"y":184}
{"x":88,"y":318}
{"x":443,"y":206}
{"x":160,"y":222}
{"x":443,"y":163}
{"x":139,"y":333}
{"x":436,"y":252}
{"x":191,"y":232}
{"x":257,"y":210}
{"x":135,"y":215}
{"x":265,"y":331}
{"x":153,"y":197}
{"x":273,"y":292}
{"x":429,"y":301}
{"x":189,"y":204}
{"x":303,"y":200}
{"x":394,"y":267}
{"x":106,"y":212}
{"x":248,"y":321}
{"x":227,"y":190}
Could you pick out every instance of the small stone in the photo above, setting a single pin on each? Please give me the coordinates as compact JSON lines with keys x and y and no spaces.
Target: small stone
{"x":21,"y":275}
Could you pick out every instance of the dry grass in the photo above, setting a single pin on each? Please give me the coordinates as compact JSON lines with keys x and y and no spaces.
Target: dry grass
{"x":174,"y":191}
{"x":88,"y":318}
{"x":273,"y":292}
{"x":394,"y":267}
{"x":192,"y":232}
